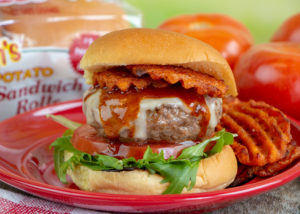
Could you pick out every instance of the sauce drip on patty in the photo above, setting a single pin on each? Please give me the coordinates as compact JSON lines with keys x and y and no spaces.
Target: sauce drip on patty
{"x":119,"y":109}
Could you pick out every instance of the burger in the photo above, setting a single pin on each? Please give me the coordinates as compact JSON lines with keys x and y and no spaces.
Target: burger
{"x":151,"y":113}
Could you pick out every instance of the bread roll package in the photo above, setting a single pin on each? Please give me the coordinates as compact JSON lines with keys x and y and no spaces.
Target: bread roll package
{"x":42,"y":42}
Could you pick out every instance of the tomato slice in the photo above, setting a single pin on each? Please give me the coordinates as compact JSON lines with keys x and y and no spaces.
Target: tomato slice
{"x":86,"y":139}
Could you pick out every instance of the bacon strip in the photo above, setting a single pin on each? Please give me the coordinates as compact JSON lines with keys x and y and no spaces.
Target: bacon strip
{"x":142,"y":76}
{"x":123,"y":80}
{"x":188,"y":78}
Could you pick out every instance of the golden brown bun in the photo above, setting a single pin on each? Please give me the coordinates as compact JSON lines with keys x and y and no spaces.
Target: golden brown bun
{"x":31,"y":21}
{"x":214,"y":173}
{"x":159,"y":47}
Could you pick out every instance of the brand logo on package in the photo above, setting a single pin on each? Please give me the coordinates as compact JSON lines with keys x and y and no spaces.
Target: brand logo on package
{"x":78,"y":49}
{"x":10,"y":52}
{"x":10,"y":2}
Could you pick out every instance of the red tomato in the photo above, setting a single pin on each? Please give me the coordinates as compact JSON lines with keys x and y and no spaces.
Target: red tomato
{"x":227,"y":35}
{"x":271,"y":73}
{"x":86,"y":139}
{"x":289,"y":30}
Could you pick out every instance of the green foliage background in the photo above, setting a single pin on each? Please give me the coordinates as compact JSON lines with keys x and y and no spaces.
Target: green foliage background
{"x":262,"y":17}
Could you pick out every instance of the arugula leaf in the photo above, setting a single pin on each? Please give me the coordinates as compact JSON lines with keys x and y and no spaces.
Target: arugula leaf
{"x":100,"y":162}
{"x":180,"y":173}
{"x":130,"y":163}
{"x":153,"y":157}
{"x":64,"y":143}
{"x":58,"y":162}
{"x":64,"y":121}
{"x":61,"y":145}
{"x":149,"y":158}
{"x":225,"y":138}
{"x":68,"y":132}
{"x":64,"y":166}
{"x":197,"y":150}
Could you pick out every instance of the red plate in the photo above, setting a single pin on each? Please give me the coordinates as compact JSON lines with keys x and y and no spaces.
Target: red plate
{"x":26,"y":163}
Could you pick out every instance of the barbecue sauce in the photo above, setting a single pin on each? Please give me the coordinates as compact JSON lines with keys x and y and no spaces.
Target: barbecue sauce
{"x":120,"y":109}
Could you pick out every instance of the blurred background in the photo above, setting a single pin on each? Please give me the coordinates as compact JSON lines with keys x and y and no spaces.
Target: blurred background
{"x":27,"y":24}
{"x":261,"y":17}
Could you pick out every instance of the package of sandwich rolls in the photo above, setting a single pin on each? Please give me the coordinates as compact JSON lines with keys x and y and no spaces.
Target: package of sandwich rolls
{"x":42,"y":42}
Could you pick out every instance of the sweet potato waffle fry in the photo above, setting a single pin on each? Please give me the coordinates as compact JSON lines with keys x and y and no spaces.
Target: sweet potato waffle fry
{"x":188,"y":78}
{"x":246,"y":173}
{"x":264,"y":145}
{"x":263,"y":131}
{"x":293,"y":153}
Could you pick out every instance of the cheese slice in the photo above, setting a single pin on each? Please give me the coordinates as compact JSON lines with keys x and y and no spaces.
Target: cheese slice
{"x":90,"y":107}
{"x":214,"y":104}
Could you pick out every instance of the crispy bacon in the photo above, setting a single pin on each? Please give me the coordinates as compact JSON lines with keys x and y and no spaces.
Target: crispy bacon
{"x":188,"y":78}
{"x":142,"y":76}
{"x":263,"y":131}
{"x":122,"y":79}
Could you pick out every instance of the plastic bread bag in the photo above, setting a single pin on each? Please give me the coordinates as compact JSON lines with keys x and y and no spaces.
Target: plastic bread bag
{"x":42,"y":42}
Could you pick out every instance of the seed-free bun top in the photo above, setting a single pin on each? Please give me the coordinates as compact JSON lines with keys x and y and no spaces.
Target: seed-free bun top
{"x":159,"y":47}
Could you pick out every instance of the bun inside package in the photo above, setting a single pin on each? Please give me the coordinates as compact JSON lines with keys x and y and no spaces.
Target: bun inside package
{"x":41,"y":44}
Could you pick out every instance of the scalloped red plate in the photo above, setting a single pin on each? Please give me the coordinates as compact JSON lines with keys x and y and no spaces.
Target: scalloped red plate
{"x":26,"y":163}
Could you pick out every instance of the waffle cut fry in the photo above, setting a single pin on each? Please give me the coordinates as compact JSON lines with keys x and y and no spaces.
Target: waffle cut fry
{"x":246,"y":173}
{"x":293,"y":153}
{"x":263,"y":131}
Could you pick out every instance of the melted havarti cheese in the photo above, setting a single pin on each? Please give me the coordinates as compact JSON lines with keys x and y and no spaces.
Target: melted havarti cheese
{"x":213,"y":104}
{"x":90,"y":107}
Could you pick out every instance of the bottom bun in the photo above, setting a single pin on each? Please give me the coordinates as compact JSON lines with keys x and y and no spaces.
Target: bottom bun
{"x":214,"y":173}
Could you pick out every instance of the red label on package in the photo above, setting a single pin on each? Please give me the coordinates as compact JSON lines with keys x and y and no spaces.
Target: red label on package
{"x":78,"y":49}
{"x":11,"y":2}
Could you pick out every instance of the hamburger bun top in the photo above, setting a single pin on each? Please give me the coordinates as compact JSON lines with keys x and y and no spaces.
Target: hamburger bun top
{"x":159,"y":47}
